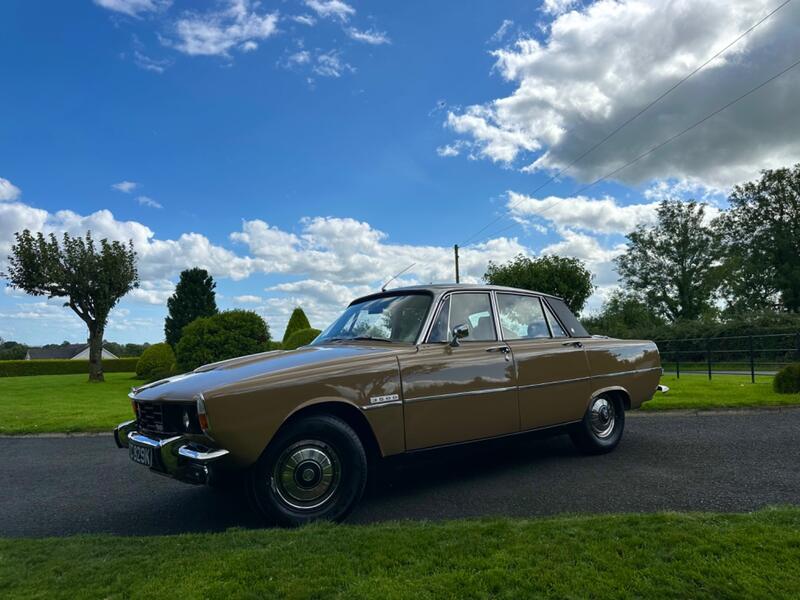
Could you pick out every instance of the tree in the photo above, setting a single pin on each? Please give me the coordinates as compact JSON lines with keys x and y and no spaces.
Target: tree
{"x":623,"y":315}
{"x":228,"y":334}
{"x":10,"y":350}
{"x":93,"y":280}
{"x":297,"y":321}
{"x":194,"y":297}
{"x":761,"y":238}
{"x":560,"y":276}
{"x":674,"y":265}
{"x":301,"y":337}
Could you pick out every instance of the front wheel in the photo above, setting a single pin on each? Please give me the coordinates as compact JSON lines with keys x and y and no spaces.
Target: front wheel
{"x":315,"y":469}
{"x":601,"y":428}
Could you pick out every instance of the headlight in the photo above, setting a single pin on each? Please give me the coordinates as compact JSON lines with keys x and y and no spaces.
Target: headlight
{"x":201,"y":412}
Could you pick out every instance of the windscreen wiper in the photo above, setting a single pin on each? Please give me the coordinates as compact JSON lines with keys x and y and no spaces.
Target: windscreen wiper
{"x":370,"y":338}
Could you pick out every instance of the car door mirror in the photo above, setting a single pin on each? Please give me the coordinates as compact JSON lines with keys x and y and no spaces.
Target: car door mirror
{"x":459,"y":333}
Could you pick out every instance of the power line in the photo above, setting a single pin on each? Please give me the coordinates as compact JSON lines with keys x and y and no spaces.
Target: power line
{"x":633,"y":118}
{"x":662,"y":143}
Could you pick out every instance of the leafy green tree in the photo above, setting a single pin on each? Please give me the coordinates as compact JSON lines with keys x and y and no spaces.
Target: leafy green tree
{"x":92,"y":279}
{"x":194,"y":297}
{"x":761,"y":237}
{"x":623,"y":315}
{"x":297,"y":321}
{"x":674,"y":265}
{"x":12,"y":350}
{"x":301,"y":337}
{"x":225,"y":335}
{"x":560,"y":276}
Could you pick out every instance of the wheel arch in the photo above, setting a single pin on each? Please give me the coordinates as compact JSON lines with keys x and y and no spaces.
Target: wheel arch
{"x":617,"y":391}
{"x":345,"y":411}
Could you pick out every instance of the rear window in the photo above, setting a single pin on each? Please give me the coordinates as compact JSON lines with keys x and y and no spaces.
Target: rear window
{"x":566,"y":317}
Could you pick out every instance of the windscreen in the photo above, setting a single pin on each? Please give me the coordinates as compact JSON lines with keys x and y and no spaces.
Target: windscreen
{"x":396,"y":318}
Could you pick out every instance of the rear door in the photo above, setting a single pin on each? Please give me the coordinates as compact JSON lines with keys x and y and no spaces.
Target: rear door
{"x":552,"y":369}
{"x":459,"y":393}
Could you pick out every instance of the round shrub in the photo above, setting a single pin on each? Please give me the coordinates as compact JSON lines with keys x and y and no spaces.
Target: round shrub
{"x":225,"y":335}
{"x":787,"y":380}
{"x":302,"y":337}
{"x":157,"y":362}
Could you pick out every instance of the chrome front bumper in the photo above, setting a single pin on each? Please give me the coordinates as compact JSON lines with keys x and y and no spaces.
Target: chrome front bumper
{"x":662,"y":388}
{"x":175,"y":456}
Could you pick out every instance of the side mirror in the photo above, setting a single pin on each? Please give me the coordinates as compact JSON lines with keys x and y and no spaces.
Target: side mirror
{"x":459,"y":333}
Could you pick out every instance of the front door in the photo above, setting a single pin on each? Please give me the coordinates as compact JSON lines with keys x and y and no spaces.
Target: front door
{"x":552,"y":368}
{"x":459,"y":393}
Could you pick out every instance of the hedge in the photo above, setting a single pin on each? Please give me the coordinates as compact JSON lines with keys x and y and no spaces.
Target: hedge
{"x":301,"y":337}
{"x":21,"y":368}
{"x":787,"y":380}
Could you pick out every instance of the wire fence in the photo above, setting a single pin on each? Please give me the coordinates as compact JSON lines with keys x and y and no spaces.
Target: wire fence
{"x":732,"y":355}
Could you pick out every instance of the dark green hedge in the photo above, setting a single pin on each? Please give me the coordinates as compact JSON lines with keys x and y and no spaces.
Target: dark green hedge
{"x":20,"y":368}
{"x":787,"y":381}
{"x":301,"y":337}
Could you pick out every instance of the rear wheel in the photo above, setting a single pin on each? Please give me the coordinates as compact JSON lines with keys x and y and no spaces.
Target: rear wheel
{"x":315,"y":469}
{"x":601,"y":428}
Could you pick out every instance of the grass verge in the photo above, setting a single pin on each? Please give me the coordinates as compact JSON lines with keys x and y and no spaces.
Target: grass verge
{"x":608,"y":556}
{"x":724,"y":391}
{"x":64,"y":403}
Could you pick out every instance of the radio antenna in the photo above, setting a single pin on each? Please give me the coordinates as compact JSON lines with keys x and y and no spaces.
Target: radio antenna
{"x":383,"y":287}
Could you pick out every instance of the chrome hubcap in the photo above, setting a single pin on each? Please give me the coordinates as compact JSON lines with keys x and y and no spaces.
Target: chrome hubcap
{"x":602,"y":417}
{"x":306,"y":474}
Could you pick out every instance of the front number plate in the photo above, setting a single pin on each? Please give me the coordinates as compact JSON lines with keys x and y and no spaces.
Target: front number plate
{"x":141,"y":455}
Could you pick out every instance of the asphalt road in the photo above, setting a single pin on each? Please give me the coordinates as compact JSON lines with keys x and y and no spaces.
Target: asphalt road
{"x":721,"y":462}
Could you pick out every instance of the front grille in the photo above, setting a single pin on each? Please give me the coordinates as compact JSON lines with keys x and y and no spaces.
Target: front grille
{"x":167,"y":418}
{"x":151,"y":416}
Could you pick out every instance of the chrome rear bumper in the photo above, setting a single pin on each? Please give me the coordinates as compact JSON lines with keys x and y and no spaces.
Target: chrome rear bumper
{"x":662,"y":388}
{"x":175,"y":456}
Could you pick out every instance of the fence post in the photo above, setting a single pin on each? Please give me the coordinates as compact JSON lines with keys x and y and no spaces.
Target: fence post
{"x":752,"y":362}
{"x":678,"y":364}
{"x":709,"y":359}
{"x":797,"y":345}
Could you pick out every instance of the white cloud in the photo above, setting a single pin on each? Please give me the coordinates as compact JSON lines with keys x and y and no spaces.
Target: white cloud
{"x":330,"y":64}
{"x":214,"y":33}
{"x":134,"y":8}
{"x":602,"y":215}
{"x":307,"y":20}
{"x":125,"y":187}
{"x":501,"y":32}
{"x":368,"y":36}
{"x":153,"y":292}
{"x":8,"y":191}
{"x":247,"y":299}
{"x":599,"y":65}
{"x":331,"y":9}
{"x":302,"y":57}
{"x":558,"y":7}
{"x":148,"y":63}
{"x":449,"y":150}
{"x":147,"y":201}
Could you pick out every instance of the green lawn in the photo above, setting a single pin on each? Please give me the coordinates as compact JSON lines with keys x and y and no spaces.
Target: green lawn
{"x":622,"y":556}
{"x":59,"y":403}
{"x":67,"y":403}
{"x":723,"y":391}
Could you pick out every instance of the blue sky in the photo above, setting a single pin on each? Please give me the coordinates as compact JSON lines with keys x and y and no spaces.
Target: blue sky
{"x":304,"y":151}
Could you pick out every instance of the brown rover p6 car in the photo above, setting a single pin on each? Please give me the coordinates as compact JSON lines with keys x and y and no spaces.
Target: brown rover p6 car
{"x":399,"y":371}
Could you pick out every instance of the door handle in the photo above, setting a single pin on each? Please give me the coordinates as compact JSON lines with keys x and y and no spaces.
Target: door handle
{"x":574,"y":344}
{"x":503,"y":349}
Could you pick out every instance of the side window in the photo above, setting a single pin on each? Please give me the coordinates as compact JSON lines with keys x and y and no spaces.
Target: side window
{"x":522,"y":317}
{"x":555,"y":327}
{"x":440,"y":332}
{"x":474,"y":311}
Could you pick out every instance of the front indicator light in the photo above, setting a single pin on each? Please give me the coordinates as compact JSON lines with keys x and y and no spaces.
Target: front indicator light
{"x":135,"y":409}
{"x":201,"y":412}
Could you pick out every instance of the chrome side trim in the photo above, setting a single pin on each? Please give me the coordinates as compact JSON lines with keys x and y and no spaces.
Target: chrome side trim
{"x":549,"y":383}
{"x":188,"y":452}
{"x":381,"y":405}
{"x":631,"y":372}
{"x":458,"y":394}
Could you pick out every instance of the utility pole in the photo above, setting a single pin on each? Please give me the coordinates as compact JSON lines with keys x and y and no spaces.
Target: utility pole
{"x":455,"y":249}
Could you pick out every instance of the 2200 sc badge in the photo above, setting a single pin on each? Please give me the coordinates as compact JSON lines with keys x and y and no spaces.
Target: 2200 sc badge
{"x":399,"y":371}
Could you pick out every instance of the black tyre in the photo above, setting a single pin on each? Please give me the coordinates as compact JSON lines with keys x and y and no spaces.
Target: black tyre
{"x":315,"y":469}
{"x":601,"y":428}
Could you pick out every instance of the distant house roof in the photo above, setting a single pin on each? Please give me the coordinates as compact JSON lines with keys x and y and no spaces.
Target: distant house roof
{"x":64,"y":352}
